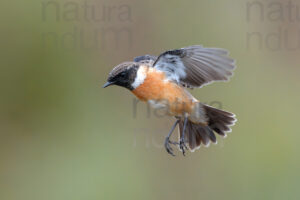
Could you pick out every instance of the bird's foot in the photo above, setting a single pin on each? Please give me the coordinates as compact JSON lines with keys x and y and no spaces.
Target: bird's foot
{"x":168,"y":148}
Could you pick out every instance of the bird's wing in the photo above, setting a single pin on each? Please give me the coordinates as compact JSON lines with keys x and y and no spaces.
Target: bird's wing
{"x":195,"y":66}
{"x":145,"y":59}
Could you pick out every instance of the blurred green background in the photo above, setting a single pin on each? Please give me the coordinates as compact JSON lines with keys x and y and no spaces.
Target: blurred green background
{"x":63,"y":137}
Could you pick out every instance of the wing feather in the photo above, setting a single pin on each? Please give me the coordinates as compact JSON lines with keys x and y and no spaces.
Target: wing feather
{"x":195,"y":66}
{"x":145,"y":59}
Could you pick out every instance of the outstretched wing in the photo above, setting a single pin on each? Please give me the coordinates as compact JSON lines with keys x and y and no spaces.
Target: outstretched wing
{"x":145,"y":59}
{"x":195,"y":66}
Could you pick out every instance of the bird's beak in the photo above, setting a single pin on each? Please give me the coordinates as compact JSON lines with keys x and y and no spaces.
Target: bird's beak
{"x":108,"y":84}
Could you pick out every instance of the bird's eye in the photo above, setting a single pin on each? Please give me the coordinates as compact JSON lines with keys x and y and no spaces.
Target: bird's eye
{"x":122,"y":74}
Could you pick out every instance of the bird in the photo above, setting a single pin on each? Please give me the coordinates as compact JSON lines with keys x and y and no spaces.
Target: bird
{"x":163,"y":82}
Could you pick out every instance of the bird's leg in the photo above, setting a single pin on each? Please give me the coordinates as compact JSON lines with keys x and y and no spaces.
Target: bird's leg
{"x":167,"y":140}
{"x":182,"y":142}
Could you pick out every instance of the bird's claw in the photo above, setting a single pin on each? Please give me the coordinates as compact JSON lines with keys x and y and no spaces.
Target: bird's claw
{"x":168,"y":147}
{"x":182,"y":146}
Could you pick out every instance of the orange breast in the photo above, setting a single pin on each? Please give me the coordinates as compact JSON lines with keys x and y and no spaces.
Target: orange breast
{"x":156,"y":88}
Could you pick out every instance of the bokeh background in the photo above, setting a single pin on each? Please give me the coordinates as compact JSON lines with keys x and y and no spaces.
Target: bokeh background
{"x":63,"y":137}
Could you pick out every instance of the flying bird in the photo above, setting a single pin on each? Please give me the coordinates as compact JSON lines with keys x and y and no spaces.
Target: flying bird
{"x":162,"y":81}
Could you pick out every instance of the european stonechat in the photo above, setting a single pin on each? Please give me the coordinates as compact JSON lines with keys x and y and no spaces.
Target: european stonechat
{"x":161,"y":81}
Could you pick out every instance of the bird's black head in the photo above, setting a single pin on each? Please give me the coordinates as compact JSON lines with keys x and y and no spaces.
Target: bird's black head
{"x":123,"y":75}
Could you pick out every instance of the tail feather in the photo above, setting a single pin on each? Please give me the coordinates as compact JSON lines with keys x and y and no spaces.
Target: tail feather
{"x":211,"y":135}
{"x":204,"y":135}
{"x":219,"y":121}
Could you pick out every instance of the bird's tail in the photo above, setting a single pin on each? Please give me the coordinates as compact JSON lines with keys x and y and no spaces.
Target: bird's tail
{"x":218,"y":121}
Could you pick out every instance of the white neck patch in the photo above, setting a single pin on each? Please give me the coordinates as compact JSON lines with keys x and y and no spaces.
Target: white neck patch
{"x":140,"y":77}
